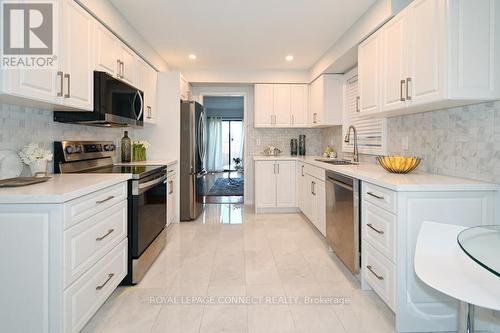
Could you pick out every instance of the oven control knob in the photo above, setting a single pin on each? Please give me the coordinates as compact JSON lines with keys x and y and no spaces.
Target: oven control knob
{"x":70,"y":149}
{"x":109,"y":147}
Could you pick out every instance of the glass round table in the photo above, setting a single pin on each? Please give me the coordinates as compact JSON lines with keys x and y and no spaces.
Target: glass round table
{"x":482,"y":244}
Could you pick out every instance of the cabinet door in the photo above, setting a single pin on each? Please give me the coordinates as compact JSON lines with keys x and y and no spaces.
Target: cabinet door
{"x":316,"y":103}
{"x":285,"y":184}
{"x":426,"y":51}
{"x":307,"y":196}
{"x":171,"y":210}
{"x":78,"y":60}
{"x":369,"y":74}
{"x":151,"y":109}
{"x":299,"y":101}
{"x":281,"y":105}
{"x":264,"y":105}
{"x":128,"y":67}
{"x":265,"y":184}
{"x":319,"y":206}
{"x":394,"y":63}
{"x":106,"y":53}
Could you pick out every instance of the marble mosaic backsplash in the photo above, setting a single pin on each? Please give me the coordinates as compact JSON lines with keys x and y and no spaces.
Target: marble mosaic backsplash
{"x":462,"y":141}
{"x":21,"y":125}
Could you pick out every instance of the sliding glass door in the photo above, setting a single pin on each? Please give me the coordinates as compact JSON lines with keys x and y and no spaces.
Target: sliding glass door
{"x":232,"y":142}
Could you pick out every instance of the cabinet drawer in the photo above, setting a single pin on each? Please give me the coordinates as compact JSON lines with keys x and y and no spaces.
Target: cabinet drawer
{"x":87,"y":242}
{"x":87,"y":294}
{"x":380,"y":197}
{"x":93,"y":203}
{"x":380,"y":274}
{"x":314,"y":171}
{"x":379,"y":228}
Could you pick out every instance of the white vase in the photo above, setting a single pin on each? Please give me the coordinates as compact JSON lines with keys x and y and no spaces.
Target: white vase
{"x":38,"y":167}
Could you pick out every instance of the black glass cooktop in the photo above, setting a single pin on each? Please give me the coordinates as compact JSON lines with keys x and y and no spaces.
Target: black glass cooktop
{"x":138,"y":171}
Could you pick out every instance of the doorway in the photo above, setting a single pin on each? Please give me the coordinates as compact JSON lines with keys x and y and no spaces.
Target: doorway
{"x":224,"y":182}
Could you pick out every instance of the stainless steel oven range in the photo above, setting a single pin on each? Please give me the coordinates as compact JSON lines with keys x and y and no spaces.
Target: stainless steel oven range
{"x":147,"y":198}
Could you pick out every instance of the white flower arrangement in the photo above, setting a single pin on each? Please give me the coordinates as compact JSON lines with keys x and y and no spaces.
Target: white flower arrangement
{"x":33,"y":153}
{"x":143,"y":143}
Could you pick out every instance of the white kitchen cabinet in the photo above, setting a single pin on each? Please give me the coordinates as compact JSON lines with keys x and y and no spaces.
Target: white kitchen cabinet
{"x":285,"y":189}
{"x":69,"y":84}
{"x":391,"y":222}
{"x":432,"y":65}
{"x":77,"y":58}
{"x":326,"y":101}
{"x":299,"y":105}
{"x":128,"y":64}
{"x":147,"y":82}
{"x":311,"y":194}
{"x":64,"y":259}
{"x":281,"y":105}
{"x":369,"y":67}
{"x":394,"y":62}
{"x":105,"y":50}
{"x":171,"y":197}
{"x":275,"y":184}
{"x":264,"y":105}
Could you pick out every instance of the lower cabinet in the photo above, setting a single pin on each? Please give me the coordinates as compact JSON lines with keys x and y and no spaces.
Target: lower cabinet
{"x":275,"y":184}
{"x":60,"y":273}
{"x":312,"y":197}
{"x":390,"y":224}
{"x":171,"y":197}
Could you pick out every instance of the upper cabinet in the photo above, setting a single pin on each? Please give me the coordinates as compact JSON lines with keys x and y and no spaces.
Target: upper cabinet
{"x":69,"y":84}
{"x":83,"y":45}
{"x":114,"y":57}
{"x":281,"y":105}
{"x":325,"y":106}
{"x":453,"y":59}
{"x":147,"y":81}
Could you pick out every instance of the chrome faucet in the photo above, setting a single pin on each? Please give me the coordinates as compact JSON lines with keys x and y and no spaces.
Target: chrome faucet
{"x":355,"y":156}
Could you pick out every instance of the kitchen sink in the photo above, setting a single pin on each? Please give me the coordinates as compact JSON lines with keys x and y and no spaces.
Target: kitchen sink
{"x":337,"y":162}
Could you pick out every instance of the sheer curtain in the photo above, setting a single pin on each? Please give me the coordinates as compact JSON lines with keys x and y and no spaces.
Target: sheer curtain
{"x":215,"y":162}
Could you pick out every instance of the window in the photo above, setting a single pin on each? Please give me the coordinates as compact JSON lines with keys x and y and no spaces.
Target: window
{"x":232,"y":146}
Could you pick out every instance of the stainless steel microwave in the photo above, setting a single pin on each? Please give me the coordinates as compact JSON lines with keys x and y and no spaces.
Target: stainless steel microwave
{"x":116,"y":104}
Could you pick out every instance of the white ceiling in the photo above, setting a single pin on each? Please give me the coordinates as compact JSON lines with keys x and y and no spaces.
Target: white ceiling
{"x":241,"y":34}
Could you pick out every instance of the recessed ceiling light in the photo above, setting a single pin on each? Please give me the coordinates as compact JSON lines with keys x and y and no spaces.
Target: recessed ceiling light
{"x":289,"y":58}
{"x":192,"y":56}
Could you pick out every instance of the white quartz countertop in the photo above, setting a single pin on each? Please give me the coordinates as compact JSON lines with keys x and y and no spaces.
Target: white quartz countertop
{"x":167,"y":162}
{"x":375,"y":174}
{"x":61,"y":188}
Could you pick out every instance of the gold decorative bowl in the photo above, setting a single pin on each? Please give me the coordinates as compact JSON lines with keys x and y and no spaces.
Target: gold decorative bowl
{"x":399,"y":164}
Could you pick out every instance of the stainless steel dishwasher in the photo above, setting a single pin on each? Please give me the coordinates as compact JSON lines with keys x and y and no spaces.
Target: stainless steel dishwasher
{"x":343,"y":219}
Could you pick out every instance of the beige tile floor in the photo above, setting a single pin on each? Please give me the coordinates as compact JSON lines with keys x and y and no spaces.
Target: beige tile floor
{"x":234,"y":271}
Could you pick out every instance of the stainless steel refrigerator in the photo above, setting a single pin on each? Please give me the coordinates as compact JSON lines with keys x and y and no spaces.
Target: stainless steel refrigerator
{"x":192,"y":160}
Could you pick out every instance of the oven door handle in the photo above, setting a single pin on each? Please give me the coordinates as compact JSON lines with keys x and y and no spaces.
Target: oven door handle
{"x":147,"y":185}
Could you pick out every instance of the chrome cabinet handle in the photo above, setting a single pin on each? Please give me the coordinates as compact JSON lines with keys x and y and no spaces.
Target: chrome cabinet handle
{"x":401,"y":97}
{"x":149,"y":112}
{"x":314,"y":118}
{"x":278,"y":168}
{"x":375,"y":196}
{"x":61,"y":91}
{"x":110,"y":276}
{"x":293,"y":120}
{"x":123,"y":69}
{"x":370,"y":268}
{"x":357,"y":104}
{"x":374,"y":229}
{"x":171,"y":187}
{"x":68,"y":77}
{"x":408,"y":80}
{"x":313,"y":188}
{"x":104,"y":200}
{"x":302,"y":170}
{"x":110,"y":231}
